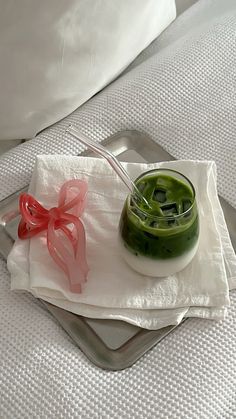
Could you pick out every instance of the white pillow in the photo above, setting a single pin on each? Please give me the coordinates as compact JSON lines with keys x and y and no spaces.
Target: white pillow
{"x":55,"y":55}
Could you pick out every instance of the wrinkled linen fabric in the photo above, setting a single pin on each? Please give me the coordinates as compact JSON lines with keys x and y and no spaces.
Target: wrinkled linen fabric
{"x":56,"y":55}
{"x":113,"y":290}
{"x":183,"y":96}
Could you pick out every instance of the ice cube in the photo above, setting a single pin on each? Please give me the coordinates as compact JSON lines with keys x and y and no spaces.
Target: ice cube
{"x":169,"y":209}
{"x":159,"y":195}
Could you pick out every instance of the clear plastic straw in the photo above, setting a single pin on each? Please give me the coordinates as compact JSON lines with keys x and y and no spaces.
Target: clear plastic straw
{"x":112,"y":160}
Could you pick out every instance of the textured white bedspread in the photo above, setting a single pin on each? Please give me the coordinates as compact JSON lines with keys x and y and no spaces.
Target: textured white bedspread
{"x":182,"y":91}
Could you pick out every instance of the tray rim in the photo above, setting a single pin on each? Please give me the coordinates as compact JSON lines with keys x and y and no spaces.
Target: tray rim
{"x":103,"y":356}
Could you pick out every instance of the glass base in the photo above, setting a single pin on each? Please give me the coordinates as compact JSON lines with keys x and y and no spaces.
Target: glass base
{"x":157,"y":267}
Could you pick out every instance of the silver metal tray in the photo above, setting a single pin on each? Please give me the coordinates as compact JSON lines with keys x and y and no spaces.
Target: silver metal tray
{"x":109,"y":344}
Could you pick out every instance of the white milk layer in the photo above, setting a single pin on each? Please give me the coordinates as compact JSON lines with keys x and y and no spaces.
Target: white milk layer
{"x":156,"y":267}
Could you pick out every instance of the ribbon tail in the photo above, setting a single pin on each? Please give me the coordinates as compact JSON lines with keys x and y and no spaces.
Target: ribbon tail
{"x":78,"y":242}
{"x":64,"y":256}
{"x":81,"y":248}
{"x":74,"y":277}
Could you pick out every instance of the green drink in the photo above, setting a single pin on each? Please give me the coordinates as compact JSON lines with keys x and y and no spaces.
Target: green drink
{"x":163,"y":239}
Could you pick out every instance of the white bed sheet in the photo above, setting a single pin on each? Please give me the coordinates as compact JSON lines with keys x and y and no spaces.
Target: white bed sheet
{"x":182,"y":92}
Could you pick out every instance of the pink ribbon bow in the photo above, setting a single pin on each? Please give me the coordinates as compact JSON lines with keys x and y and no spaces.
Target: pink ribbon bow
{"x":66,"y":246}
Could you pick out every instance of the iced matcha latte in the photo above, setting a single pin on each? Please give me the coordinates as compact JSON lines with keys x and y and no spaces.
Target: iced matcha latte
{"x":163,"y":239}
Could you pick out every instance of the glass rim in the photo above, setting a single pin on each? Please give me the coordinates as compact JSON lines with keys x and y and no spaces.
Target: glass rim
{"x":163,"y":217}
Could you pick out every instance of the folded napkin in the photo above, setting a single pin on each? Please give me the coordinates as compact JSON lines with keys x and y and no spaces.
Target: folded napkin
{"x":113,"y":289}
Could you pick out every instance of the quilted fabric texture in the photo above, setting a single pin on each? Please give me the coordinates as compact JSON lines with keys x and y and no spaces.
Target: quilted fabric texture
{"x":182,"y":93}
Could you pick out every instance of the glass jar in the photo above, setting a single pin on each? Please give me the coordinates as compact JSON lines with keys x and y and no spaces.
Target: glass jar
{"x":163,"y":239}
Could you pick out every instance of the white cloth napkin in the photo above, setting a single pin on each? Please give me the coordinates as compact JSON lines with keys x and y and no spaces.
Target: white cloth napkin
{"x":113,"y":289}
